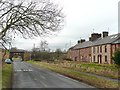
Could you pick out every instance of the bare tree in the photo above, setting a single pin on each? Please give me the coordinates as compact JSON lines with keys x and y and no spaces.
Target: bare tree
{"x":6,"y":41}
{"x":29,"y":20}
{"x":43,"y":45}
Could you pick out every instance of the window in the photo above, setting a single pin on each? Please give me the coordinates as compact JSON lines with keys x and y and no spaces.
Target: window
{"x":105,"y":58}
{"x":75,"y":58}
{"x":94,"y":58}
{"x":98,"y":58}
{"x":101,"y":48}
{"x":114,"y":36}
{"x":105,"y":48}
{"x":81,"y":57}
{"x":98,"y":49}
{"x":93,"y":49}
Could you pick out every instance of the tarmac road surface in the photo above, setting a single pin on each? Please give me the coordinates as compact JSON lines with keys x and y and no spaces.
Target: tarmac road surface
{"x":27,"y":76}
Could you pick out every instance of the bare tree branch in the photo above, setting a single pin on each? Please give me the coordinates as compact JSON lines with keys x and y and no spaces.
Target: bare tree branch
{"x":29,"y":20}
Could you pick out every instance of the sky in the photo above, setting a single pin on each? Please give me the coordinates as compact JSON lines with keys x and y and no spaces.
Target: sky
{"x":82,"y":17}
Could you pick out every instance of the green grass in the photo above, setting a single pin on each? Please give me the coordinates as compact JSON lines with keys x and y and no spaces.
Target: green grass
{"x":6,"y":75}
{"x":0,"y":78}
{"x":106,"y":70}
{"x":92,"y":80}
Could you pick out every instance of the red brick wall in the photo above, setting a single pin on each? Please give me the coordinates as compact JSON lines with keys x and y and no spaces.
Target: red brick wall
{"x":80,"y":54}
{"x":73,"y":54}
{"x":114,"y":48}
{"x":99,"y":55}
{"x":85,"y":54}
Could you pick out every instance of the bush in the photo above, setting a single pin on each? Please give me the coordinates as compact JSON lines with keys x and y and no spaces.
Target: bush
{"x":48,"y":56}
{"x":116,"y":57}
{"x":38,"y":56}
{"x":68,"y":59}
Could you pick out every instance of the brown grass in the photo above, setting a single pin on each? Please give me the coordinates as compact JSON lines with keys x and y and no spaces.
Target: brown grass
{"x":92,"y":80}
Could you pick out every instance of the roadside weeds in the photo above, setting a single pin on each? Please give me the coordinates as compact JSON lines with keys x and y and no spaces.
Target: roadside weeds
{"x":91,"y":80}
{"x":6,"y":76}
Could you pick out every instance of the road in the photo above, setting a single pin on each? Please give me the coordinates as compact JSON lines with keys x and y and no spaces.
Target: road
{"x":27,"y":76}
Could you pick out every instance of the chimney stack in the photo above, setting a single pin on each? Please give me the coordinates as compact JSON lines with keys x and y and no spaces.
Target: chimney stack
{"x":90,"y":39}
{"x":94,"y":36}
{"x":81,"y":41}
{"x":105,"y":34}
{"x":78,"y":41}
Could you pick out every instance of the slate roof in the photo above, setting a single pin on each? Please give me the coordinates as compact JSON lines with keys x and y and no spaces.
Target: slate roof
{"x":112,"y":39}
{"x":107,"y":40}
{"x":83,"y":45}
{"x":118,"y":41}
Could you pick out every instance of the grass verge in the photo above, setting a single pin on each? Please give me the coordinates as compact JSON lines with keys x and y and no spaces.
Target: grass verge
{"x":110,"y":71}
{"x":0,"y":78}
{"x":6,"y":76}
{"x":91,"y":80}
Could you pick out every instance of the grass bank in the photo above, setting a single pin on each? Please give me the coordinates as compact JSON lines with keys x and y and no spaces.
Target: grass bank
{"x":0,"y":78}
{"x":106,"y":70}
{"x":6,"y":76}
{"x":91,"y":80}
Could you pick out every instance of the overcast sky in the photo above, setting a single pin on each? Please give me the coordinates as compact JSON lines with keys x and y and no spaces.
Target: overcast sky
{"x":82,"y":16}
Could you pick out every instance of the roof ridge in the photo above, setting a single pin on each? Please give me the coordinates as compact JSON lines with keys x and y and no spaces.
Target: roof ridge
{"x":100,"y":41}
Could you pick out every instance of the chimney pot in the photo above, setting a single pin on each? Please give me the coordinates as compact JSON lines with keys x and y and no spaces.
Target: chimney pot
{"x":90,"y":39}
{"x":78,"y":41}
{"x":82,"y":40}
{"x":95,"y":36}
{"x":105,"y":34}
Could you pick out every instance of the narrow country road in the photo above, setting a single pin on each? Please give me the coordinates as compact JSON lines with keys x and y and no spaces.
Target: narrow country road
{"x":27,"y":76}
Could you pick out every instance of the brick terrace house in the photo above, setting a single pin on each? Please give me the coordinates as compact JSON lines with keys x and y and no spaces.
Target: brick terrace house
{"x":81,"y":51}
{"x":98,"y":49}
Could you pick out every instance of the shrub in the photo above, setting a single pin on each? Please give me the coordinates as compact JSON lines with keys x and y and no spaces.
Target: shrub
{"x":116,"y":57}
{"x":68,"y":59}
